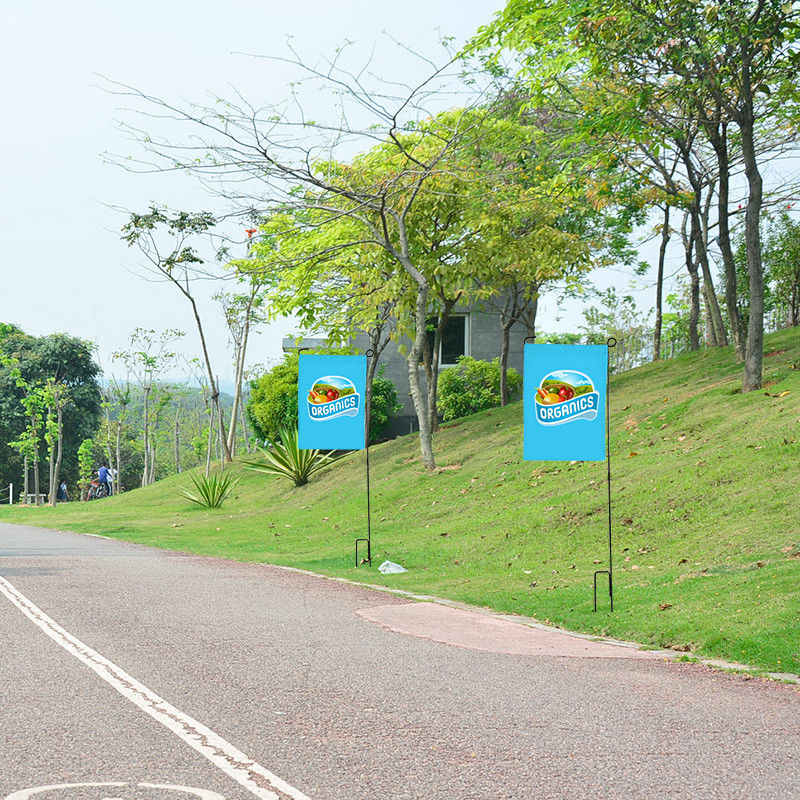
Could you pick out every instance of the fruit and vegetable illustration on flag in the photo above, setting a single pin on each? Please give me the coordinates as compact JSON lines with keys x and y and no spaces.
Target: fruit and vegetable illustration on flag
{"x":564,"y":396}
{"x":332,"y":396}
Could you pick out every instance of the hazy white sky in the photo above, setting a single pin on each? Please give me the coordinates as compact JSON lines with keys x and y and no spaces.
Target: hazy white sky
{"x":62,"y":264}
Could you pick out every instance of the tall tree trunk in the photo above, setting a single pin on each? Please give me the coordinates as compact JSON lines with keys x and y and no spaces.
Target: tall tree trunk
{"x":51,"y":492}
{"x":412,"y":361}
{"x":711,"y":332}
{"x":245,"y":432}
{"x":240,"y":359}
{"x":151,"y":478}
{"x":26,"y":482}
{"x":210,"y":441}
{"x":719,"y":141}
{"x":714,"y":311}
{"x":699,"y":232}
{"x":111,"y":463}
{"x":508,"y":318}
{"x":214,"y":384}
{"x":146,"y":470}
{"x":754,"y":352}
{"x":178,"y":440}
{"x":222,"y":442}
{"x":432,"y":374}
{"x":35,"y":461}
{"x":694,"y":283}
{"x":118,"y":467}
{"x":662,"y":254}
{"x":59,"y":456}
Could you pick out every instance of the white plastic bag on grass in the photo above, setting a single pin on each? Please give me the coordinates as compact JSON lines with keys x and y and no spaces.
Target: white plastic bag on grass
{"x":389,"y":567}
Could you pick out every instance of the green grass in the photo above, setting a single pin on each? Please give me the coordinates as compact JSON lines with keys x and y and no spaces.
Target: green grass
{"x":706,"y":526}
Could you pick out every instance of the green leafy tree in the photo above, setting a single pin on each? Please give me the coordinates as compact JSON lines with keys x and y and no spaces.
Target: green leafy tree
{"x":273,"y":399}
{"x":272,"y":407}
{"x":166,"y":239}
{"x":148,"y":357}
{"x":54,"y":399}
{"x":782,"y":266}
{"x":67,"y":362}
{"x":85,"y":467}
{"x":723,"y":64}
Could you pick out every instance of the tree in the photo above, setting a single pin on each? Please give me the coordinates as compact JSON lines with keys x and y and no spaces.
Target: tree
{"x":85,"y":467}
{"x":242,"y":311}
{"x":260,"y":151}
{"x":273,"y":401}
{"x":782,"y":266}
{"x":178,"y":265}
{"x":119,"y":396}
{"x":54,"y":398}
{"x":64,"y":360}
{"x":725,"y":64}
{"x":148,"y":357}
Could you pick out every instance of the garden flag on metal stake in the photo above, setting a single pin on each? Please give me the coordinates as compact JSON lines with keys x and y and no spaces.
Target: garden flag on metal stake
{"x":330,"y":402}
{"x":564,"y":402}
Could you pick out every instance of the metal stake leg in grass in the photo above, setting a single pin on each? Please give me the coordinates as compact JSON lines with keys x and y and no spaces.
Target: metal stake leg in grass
{"x":368,"y":540}
{"x":610,"y":571}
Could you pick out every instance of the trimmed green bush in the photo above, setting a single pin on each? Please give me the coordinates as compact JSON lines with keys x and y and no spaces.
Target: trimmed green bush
{"x":473,"y":386}
{"x":273,"y":402}
{"x":384,"y":406}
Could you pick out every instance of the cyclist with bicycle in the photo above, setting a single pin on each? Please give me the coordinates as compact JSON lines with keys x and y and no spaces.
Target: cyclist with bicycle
{"x":103,"y":474}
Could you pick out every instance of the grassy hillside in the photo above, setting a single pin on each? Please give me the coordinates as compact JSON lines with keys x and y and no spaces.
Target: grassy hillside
{"x":706,"y":527}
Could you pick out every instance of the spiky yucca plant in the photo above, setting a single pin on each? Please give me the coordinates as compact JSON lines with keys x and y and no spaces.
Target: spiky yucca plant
{"x":285,"y":458}
{"x":212,"y":491}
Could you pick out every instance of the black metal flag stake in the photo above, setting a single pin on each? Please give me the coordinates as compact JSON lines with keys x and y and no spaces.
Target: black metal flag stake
{"x":370,"y":353}
{"x":611,"y":342}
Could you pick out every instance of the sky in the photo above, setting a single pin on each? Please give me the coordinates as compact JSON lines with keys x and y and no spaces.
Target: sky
{"x":63,"y":266}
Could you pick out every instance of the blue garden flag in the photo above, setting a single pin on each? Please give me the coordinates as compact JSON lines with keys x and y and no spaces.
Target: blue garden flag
{"x":564,"y":402}
{"x":330,"y":402}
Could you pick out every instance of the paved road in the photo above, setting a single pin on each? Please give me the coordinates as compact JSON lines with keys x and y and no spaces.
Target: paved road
{"x":238,"y":681}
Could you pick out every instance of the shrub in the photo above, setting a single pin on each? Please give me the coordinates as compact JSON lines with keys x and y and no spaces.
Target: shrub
{"x":284,"y":457}
{"x":212,"y":492}
{"x":384,"y":406}
{"x":473,"y":386}
{"x":273,"y":402}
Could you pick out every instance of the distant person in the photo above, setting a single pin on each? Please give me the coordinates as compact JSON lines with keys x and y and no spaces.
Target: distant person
{"x":61,"y":494}
{"x":102,"y":476}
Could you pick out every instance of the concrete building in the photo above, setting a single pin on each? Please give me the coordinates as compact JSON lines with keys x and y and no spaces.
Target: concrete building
{"x":471,"y":332}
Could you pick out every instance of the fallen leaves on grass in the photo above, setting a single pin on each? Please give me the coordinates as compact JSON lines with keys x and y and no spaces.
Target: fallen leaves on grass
{"x":664,"y":606}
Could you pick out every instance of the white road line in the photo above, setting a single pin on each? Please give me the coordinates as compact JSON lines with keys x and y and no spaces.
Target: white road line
{"x":27,"y":794}
{"x":248,"y":773}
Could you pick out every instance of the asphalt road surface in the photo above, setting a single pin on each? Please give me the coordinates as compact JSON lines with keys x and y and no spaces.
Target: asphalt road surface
{"x":128,"y":673}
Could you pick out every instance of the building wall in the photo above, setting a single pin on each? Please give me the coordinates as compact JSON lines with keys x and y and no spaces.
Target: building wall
{"x":484,"y":341}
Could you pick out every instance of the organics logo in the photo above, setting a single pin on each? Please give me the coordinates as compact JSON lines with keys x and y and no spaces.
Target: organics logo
{"x":564,"y":396}
{"x":333,"y":396}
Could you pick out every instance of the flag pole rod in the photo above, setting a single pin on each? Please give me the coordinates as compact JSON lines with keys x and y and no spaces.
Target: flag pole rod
{"x":610,"y":342}
{"x":370,"y":353}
